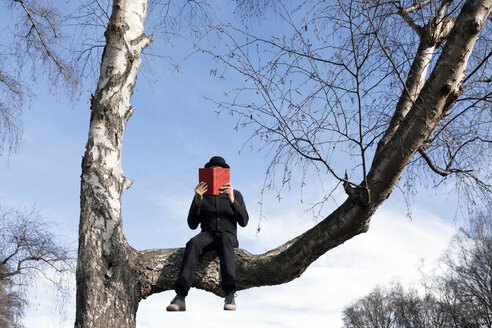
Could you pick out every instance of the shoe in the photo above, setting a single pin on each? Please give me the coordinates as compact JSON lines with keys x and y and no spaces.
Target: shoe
{"x":230,"y":304}
{"x":177,"y":304}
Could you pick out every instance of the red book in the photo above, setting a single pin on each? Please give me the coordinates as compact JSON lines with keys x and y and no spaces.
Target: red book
{"x":214,"y":178}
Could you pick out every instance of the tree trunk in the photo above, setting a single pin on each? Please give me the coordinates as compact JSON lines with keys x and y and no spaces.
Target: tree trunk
{"x":107,"y":285}
{"x":112,"y":277}
{"x":431,"y":36}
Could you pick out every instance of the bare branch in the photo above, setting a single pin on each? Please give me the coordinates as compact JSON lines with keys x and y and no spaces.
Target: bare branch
{"x":436,"y":169}
{"x":405,"y":14}
{"x":10,"y":84}
{"x":64,"y":70}
{"x":482,"y":62}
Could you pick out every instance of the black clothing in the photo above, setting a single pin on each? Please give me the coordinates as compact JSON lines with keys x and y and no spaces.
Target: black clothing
{"x":217,"y":214}
{"x":223,"y":243}
{"x":218,"y":219}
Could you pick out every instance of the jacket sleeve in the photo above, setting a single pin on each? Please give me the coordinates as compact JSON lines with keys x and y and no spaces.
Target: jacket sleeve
{"x":194,"y":215}
{"x":239,"y":209}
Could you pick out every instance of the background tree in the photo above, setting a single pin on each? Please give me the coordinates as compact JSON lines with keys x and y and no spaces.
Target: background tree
{"x":28,"y":249}
{"x":396,"y":307}
{"x":113,"y":277}
{"x":466,"y":280}
{"x":34,"y":46}
{"x":459,"y":296}
{"x":10,"y":303}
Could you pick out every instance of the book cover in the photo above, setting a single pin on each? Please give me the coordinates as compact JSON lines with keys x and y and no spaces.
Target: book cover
{"x":214,"y":178}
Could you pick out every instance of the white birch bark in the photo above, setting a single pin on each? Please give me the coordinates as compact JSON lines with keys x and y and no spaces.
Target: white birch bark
{"x":431,"y":36}
{"x":105,"y":286}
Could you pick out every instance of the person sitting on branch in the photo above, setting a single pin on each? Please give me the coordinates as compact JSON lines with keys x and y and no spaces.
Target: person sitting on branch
{"x":218,"y":216}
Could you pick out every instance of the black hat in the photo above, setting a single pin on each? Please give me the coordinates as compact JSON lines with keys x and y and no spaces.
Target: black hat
{"x":217,"y":161}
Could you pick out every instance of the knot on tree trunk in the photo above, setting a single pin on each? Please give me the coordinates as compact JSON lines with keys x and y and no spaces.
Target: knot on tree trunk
{"x":361,"y":193}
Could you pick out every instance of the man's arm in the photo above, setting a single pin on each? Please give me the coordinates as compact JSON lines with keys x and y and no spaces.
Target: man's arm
{"x":239,"y":209}
{"x":194,"y":213}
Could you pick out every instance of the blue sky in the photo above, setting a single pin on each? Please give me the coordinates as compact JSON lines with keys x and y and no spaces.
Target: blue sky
{"x":172,"y":133}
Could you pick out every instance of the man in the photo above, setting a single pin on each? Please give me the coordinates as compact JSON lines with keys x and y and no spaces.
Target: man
{"x":218,"y":216}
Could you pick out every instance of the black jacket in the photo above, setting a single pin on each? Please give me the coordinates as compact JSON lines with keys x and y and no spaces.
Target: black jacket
{"x":217,"y":214}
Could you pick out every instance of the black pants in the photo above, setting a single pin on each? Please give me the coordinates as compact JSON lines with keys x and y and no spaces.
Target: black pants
{"x":223,"y":243}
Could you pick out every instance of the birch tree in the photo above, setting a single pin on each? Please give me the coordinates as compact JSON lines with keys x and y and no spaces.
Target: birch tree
{"x":112,"y":277}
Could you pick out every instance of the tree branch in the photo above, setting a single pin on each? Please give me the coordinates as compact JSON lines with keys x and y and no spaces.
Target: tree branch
{"x":11,"y":85}
{"x":462,"y":112}
{"x":436,"y":169}
{"x":65,"y":71}
{"x":158,"y":269}
{"x":434,"y":33}
{"x":484,"y":60}
{"x":405,"y":14}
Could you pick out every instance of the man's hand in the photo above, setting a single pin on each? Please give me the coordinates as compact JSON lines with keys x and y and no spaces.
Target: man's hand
{"x":228,"y":190}
{"x":200,"y":190}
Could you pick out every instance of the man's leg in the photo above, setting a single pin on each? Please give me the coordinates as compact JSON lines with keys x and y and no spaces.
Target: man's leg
{"x":225,"y":243}
{"x":194,"y":249}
